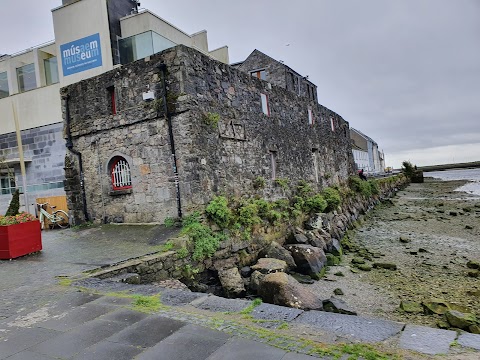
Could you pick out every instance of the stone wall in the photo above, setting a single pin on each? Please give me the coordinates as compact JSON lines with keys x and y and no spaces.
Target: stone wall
{"x":44,"y":153}
{"x":239,"y":253}
{"x":223,"y":140}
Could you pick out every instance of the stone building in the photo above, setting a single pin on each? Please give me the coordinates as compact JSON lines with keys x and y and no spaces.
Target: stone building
{"x":185,"y":127}
{"x":275,"y":72}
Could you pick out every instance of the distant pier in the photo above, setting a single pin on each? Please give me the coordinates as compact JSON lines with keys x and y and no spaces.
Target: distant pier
{"x":474,"y":164}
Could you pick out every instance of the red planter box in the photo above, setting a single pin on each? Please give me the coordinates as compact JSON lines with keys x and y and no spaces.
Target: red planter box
{"x":20,"y":239}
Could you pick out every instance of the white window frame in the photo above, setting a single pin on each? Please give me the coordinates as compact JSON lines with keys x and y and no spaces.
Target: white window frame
{"x":265,"y":104}
{"x":311,"y":120}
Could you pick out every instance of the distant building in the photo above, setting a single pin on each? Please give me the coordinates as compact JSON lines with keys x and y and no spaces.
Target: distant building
{"x":264,"y":67}
{"x":360,"y":157}
{"x":366,"y":153}
{"x":91,"y":38}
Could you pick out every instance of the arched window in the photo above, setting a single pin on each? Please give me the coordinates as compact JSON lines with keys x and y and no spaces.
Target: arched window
{"x":120,"y":172}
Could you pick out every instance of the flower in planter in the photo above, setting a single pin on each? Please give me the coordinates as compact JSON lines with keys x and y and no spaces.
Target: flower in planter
{"x":17,"y":219}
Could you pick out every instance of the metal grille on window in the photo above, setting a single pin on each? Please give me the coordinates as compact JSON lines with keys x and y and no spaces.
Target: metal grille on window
{"x":121,"y":177}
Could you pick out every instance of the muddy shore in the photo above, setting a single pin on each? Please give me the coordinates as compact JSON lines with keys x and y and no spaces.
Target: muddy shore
{"x":440,"y":231}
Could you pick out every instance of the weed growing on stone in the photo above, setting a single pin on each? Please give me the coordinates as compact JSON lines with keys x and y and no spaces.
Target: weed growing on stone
{"x":205,"y":240}
{"x":360,"y":186}
{"x":63,"y":281}
{"x":191,"y":219}
{"x":169,"y":222}
{"x":85,"y":225}
{"x":167,"y":246}
{"x":211,"y":119}
{"x":248,"y":310}
{"x":182,"y":253}
{"x":332,"y":197}
{"x":189,"y":272}
{"x":356,"y":351}
{"x":283,"y":183}
{"x":248,"y":214}
{"x":147,"y":304}
{"x":259,"y":182}
{"x":219,"y":212}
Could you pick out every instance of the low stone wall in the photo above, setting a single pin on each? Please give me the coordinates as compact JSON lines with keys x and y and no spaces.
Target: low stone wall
{"x":239,"y":253}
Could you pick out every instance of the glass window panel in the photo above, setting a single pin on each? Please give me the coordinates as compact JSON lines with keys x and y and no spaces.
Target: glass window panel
{"x":4,"y":85}
{"x":142,"y":45}
{"x":26,"y":78}
{"x":136,"y":47}
{"x":160,"y":43}
{"x":51,"y":70}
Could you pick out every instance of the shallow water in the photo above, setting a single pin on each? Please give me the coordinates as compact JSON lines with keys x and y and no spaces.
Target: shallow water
{"x":472,"y":175}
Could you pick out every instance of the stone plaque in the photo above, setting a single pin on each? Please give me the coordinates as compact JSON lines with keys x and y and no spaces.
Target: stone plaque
{"x":231,"y":129}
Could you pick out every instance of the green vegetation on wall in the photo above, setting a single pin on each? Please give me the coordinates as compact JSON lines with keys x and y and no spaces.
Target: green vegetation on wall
{"x":238,"y":217}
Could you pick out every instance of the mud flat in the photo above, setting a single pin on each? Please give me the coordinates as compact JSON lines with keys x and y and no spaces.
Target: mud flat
{"x":430,"y":232}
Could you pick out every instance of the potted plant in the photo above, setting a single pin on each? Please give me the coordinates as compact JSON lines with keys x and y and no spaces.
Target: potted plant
{"x":20,"y":234}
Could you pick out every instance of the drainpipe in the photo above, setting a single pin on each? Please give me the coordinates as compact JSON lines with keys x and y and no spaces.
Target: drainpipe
{"x":163,"y":68}
{"x":69,"y":145}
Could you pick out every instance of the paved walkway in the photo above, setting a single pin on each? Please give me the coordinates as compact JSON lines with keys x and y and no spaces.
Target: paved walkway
{"x":40,"y":319}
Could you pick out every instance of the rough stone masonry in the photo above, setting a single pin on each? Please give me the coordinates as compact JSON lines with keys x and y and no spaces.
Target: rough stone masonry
{"x":224,"y":141}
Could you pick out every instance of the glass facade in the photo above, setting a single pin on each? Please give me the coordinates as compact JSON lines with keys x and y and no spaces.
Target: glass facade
{"x":26,"y":78}
{"x":4,"y":92}
{"x":142,"y":45}
{"x":51,"y":70}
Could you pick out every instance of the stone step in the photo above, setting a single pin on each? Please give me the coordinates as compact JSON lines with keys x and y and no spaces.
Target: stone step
{"x":91,"y":327}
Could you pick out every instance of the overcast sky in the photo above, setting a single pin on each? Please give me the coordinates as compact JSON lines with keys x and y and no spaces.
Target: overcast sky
{"x":406,"y":73}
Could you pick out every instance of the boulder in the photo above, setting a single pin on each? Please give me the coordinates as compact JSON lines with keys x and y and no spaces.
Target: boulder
{"x":364,"y":267}
{"x":474,"y":329}
{"x":297,"y":238}
{"x":130,"y":278}
{"x":318,"y":221}
{"x":473,"y":264}
{"x":232,"y":282}
{"x":270,"y":265}
{"x":337,"y":306}
{"x":357,"y":260}
{"x":282,"y":289}
{"x":246,"y":271}
{"x":315,"y":239}
{"x":274,"y":250}
{"x":338,"y":291}
{"x":256,"y":280}
{"x":310,"y":260}
{"x":388,"y":266}
{"x":460,"y":320}
{"x":474,"y":273}
{"x":411,"y":307}
{"x":302,"y":279}
{"x":404,"y":239}
{"x":440,"y":307}
{"x":334,"y":247}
